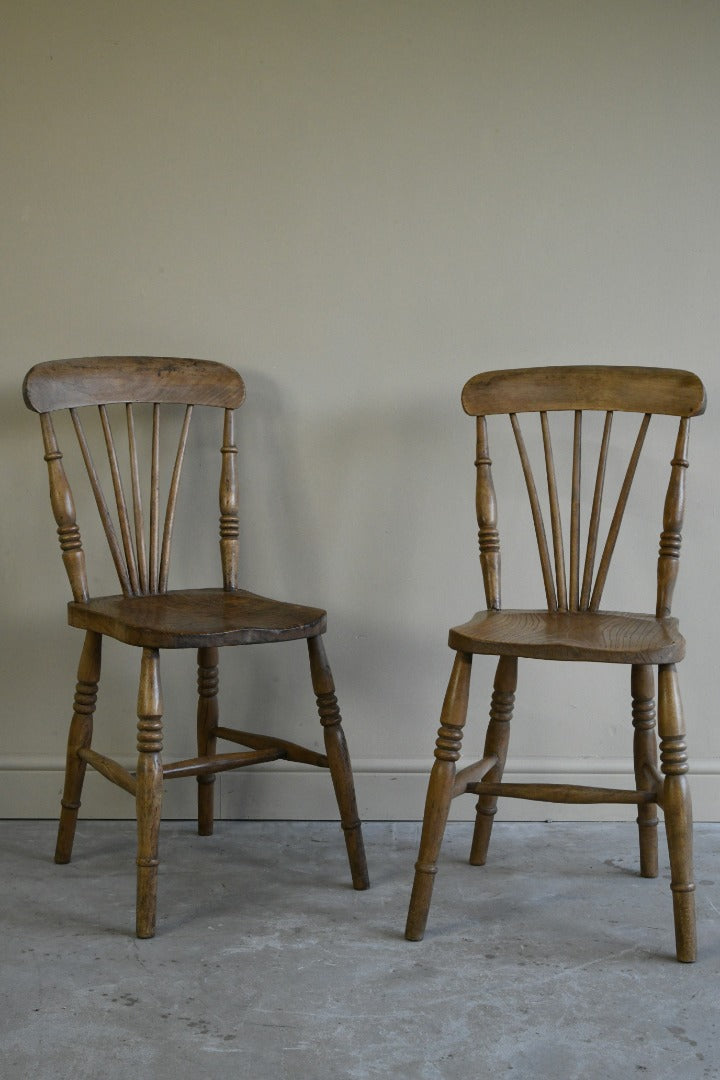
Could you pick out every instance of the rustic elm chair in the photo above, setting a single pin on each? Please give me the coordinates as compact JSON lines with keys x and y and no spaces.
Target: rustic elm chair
{"x":573,"y":627}
{"x":150,"y":617}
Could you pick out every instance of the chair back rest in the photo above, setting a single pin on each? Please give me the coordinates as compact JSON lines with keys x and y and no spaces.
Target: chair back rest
{"x":142,"y":567}
{"x":578,"y":389}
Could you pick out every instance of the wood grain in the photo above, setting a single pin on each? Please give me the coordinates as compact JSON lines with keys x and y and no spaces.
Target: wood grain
{"x":104,"y":380}
{"x":586,"y":386}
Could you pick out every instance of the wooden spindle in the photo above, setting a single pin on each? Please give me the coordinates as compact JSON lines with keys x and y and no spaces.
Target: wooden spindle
{"x":536,"y":515}
{"x":674,"y":512}
{"x":63,"y":508}
{"x":555,"y":521}
{"x":642,"y":683}
{"x":486,"y":507}
{"x":207,"y":723}
{"x":575,"y":515}
{"x":102,"y":506}
{"x":120,"y":501}
{"x":618,"y":516}
{"x":594,"y":526}
{"x":229,"y":507}
{"x":171,"y":503}
{"x":155,"y":501}
{"x":137,"y":501}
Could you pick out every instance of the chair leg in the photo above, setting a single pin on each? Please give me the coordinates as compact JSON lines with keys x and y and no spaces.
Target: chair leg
{"x":678,"y":810}
{"x":439,"y":794}
{"x":79,"y":737}
{"x":149,"y":790}
{"x":496,"y":742}
{"x":642,"y":683}
{"x":338,"y":761}
{"x":207,"y":722}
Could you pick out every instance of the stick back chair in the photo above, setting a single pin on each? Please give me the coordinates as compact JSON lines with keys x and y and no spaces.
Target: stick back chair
{"x":147,"y":615}
{"x":573,"y":626}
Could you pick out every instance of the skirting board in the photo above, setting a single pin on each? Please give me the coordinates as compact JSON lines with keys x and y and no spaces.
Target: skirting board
{"x":387,"y":791}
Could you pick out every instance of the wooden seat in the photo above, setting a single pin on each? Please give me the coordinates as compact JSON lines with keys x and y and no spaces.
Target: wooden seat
{"x":150,"y":617}
{"x":573,"y":626}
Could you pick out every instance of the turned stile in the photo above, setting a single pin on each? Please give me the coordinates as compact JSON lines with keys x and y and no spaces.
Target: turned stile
{"x":229,"y":506}
{"x":149,"y":789}
{"x":486,"y":508}
{"x":63,"y":508}
{"x":673,"y":514}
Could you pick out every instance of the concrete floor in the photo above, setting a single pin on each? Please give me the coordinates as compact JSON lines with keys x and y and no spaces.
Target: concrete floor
{"x":555,"y":960}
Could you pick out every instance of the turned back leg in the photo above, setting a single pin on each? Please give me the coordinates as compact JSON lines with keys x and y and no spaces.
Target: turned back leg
{"x":79,"y":738}
{"x":496,"y":743}
{"x":207,"y":722}
{"x":646,"y":760}
{"x":338,"y":761}
{"x":678,"y":810}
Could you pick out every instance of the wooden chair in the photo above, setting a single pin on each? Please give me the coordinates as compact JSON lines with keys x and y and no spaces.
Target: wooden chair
{"x":573,"y":627}
{"x":152,"y":618}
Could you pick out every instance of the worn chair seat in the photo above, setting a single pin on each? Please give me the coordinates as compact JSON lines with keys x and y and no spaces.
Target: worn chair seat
{"x":196,"y":618}
{"x":611,"y":637}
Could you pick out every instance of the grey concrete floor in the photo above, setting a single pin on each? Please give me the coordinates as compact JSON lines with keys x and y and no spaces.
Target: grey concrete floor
{"x":554,"y":960}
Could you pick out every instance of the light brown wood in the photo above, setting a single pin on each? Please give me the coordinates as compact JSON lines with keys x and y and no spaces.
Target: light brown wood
{"x":104,"y":380}
{"x":575,"y":514}
{"x":338,"y":760}
{"x":150,"y":618}
{"x":110,"y":770}
{"x":674,"y":513}
{"x":497,"y":740}
{"x":229,"y":507}
{"x":536,"y":516}
{"x":486,"y":508}
{"x":677,"y":806}
{"x":645,"y":756}
{"x":597,"y":636}
{"x":79,"y":738}
{"x":171,"y":503}
{"x":63,"y":507}
{"x":148,"y":792}
{"x":555,"y":522}
{"x":594,"y":527}
{"x":573,"y":627}
{"x":103,"y":510}
{"x":138,"y":518}
{"x":585,"y":387}
{"x":617,"y":517}
{"x":439,"y":794}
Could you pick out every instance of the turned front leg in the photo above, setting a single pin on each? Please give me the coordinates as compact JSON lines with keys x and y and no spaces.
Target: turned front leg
{"x":496,"y":744}
{"x":678,"y":810}
{"x":207,"y":722}
{"x":439,"y":794}
{"x":642,"y":683}
{"x":79,"y":738}
{"x":338,"y":761}
{"x":149,"y":790}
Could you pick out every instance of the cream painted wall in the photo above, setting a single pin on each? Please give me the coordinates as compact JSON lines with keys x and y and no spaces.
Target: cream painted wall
{"x":359,"y":205}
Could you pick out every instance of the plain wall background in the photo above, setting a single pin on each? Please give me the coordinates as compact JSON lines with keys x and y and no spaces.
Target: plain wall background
{"x":358,"y":205}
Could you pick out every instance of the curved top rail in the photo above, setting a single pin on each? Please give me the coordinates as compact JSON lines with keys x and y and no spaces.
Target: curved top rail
{"x":104,"y":380}
{"x":585,"y":386}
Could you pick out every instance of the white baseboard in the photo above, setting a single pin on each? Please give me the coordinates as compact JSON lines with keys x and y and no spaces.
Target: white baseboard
{"x":30,"y":787}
